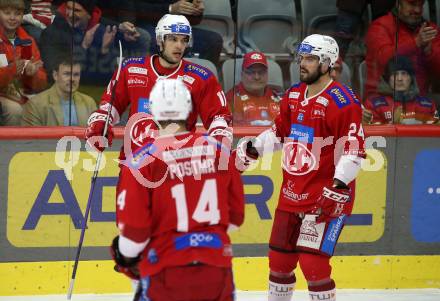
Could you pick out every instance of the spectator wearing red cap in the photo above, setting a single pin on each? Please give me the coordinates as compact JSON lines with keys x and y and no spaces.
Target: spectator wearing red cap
{"x":417,"y":39}
{"x":253,"y":101}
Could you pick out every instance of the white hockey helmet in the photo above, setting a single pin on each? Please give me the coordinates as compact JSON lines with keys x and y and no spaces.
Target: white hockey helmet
{"x":173,"y":24}
{"x":170,"y":99}
{"x":325,"y":47}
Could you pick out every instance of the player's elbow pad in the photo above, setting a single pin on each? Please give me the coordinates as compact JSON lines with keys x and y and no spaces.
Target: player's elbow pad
{"x":130,"y":248}
{"x":348,"y":168}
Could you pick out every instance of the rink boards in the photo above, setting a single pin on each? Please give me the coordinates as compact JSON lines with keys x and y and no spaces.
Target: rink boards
{"x":250,"y":273}
{"x":392,"y":240}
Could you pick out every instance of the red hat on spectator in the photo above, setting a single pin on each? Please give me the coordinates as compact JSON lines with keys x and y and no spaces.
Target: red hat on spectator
{"x":252,"y":58}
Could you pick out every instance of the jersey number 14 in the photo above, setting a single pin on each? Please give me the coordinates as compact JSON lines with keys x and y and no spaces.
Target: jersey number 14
{"x":206,"y":209}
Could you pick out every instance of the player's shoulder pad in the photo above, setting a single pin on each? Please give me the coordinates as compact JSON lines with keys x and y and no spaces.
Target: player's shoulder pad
{"x":296,"y":85}
{"x":424,"y":101}
{"x":379,"y":101}
{"x":340,"y":96}
{"x":294,"y":91}
{"x":200,"y":71}
{"x":133,"y":61}
{"x":352,"y":94}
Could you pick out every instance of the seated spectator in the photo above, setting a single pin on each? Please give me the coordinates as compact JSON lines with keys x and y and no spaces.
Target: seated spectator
{"x":252,"y":101}
{"x":350,"y":17}
{"x":39,"y":18}
{"x":398,"y":99}
{"x":417,"y":39}
{"x":95,"y":41}
{"x":21,"y":69}
{"x":51,"y":107}
{"x":207,"y":44}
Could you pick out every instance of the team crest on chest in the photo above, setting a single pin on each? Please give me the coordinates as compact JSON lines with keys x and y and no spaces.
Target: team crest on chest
{"x":293,"y":105}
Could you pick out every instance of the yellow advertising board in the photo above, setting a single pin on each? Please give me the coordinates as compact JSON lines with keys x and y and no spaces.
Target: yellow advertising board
{"x":48,"y":210}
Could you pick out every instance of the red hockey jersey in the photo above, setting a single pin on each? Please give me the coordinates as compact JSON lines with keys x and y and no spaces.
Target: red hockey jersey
{"x":316,"y":131}
{"x":385,"y":110}
{"x":138,"y":77}
{"x":183,"y":200}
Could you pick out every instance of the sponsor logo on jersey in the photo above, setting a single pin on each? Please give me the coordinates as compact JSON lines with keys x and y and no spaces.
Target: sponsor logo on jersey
{"x":244,"y":97}
{"x":133,"y":60}
{"x":275,"y":98}
{"x":300,"y":117}
{"x":424,"y":102}
{"x":379,"y":102}
{"x":190,"y":80}
{"x":291,"y":195}
{"x":322,"y":100}
{"x":138,"y":70}
{"x":294,"y":95}
{"x":144,"y":105}
{"x":352,"y":94}
{"x":250,"y":106}
{"x":318,"y":112}
{"x":136,"y":82}
{"x":339,"y":96}
{"x":198,"y":240}
{"x":293,"y":105}
{"x":199,"y":70}
{"x":302,"y":133}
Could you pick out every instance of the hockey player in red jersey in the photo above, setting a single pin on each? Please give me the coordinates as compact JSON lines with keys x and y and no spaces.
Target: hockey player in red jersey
{"x":174,"y":236}
{"x":319,"y":129}
{"x":138,"y":76}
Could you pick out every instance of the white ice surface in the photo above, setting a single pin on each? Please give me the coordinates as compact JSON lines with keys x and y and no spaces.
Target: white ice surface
{"x":343,"y":295}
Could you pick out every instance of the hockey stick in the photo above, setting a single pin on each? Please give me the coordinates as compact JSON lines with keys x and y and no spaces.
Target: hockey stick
{"x":94,"y":177}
